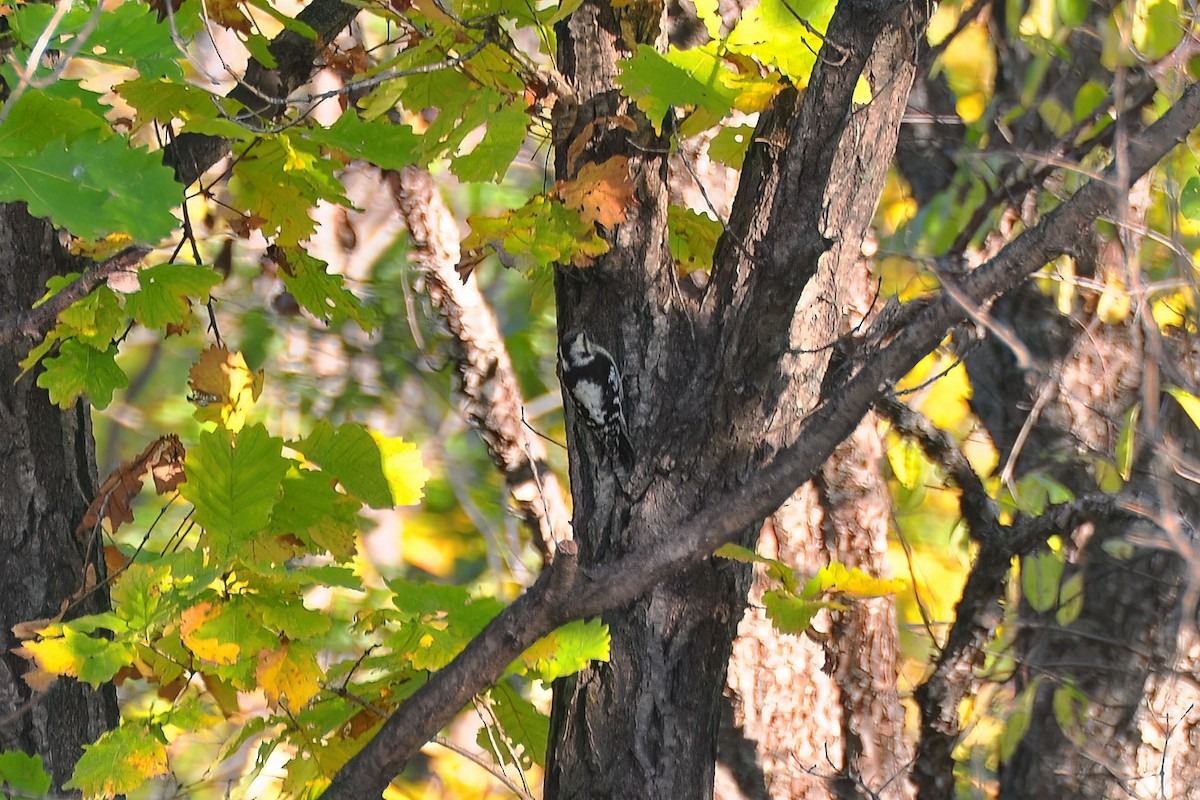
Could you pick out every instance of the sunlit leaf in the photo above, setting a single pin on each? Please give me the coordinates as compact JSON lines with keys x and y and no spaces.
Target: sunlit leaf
{"x":78,"y":370}
{"x":234,"y":484}
{"x":120,"y":761}
{"x":223,"y":387}
{"x":1188,"y":401}
{"x":85,"y":187}
{"x":568,"y":649}
{"x":383,"y":471}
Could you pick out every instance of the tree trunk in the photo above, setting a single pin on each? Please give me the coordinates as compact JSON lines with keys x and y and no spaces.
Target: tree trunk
{"x":822,"y":718}
{"x":646,"y":723}
{"x":50,"y":477}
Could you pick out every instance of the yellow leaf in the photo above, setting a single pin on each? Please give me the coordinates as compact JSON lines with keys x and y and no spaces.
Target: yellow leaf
{"x":836,"y":578}
{"x":1189,"y":402}
{"x":402,"y":469}
{"x":281,"y":674}
{"x":223,"y":387}
{"x":1114,"y":303}
{"x":205,"y":648}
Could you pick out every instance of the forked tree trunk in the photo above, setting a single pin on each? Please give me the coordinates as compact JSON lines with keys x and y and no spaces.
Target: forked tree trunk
{"x":49,"y":476}
{"x":716,"y":381}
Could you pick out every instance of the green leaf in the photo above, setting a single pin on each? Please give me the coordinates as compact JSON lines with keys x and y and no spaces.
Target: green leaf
{"x":316,"y":512}
{"x":321,"y":293}
{"x":120,"y":761}
{"x":1073,"y":13}
{"x":164,"y":293}
{"x":568,"y":649}
{"x":696,"y":77}
{"x":526,"y":729}
{"x":199,"y":111}
{"x":1014,"y":731}
{"x":771,"y":33}
{"x":384,"y":144}
{"x":490,"y":159}
{"x":292,"y":618}
{"x":128,"y":35}
{"x":78,"y":370}
{"x":693,"y":238}
{"x":37,"y":117}
{"x":23,"y":774}
{"x":1157,"y":27}
{"x":1070,"y":600}
{"x":279,"y":178}
{"x":1070,"y":711}
{"x":730,"y":144}
{"x":1188,"y":401}
{"x":791,"y":614}
{"x":1189,"y":200}
{"x":234,"y":485}
{"x":95,"y":320}
{"x":1041,"y":577}
{"x":1089,"y":98}
{"x":69,"y":649}
{"x":87,"y":188}
{"x":382,"y":471}
{"x":539,"y":234}
{"x":1125,"y":442}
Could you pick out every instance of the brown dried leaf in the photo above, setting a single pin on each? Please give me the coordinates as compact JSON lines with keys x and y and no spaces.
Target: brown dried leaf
{"x":601,"y":192}
{"x":163,"y":458}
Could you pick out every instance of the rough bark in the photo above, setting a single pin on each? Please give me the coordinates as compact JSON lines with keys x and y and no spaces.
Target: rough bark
{"x":647,"y":721}
{"x":491,"y":398}
{"x":49,"y":461}
{"x":821,"y":717}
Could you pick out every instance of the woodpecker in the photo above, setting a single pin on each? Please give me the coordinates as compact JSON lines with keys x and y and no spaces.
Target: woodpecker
{"x":592,"y":380}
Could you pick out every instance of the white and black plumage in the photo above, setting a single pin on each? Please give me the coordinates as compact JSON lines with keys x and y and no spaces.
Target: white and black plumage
{"x":593,"y":382}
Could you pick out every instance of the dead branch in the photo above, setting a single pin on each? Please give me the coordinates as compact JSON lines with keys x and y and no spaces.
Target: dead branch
{"x":491,"y":398}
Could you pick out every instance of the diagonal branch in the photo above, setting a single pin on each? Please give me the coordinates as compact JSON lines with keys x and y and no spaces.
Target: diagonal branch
{"x":491,"y":398}
{"x":37,"y":322}
{"x":561,"y":594}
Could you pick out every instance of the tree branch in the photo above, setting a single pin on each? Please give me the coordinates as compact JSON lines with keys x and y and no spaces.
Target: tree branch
{"x":36,"y":322}
{"x":976,"y":618}
{"x":192,"y":153}
{"x":492,"y":400}
{"x":560,"y":594}
{"x":978,"y":509}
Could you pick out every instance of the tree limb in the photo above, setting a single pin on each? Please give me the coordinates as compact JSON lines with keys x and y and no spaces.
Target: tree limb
{"x":561,"y":594}
{"x":491,"y":397}
{"x":978,"y":509}
{"x":976,"y":618}
{"x":37,"y":322}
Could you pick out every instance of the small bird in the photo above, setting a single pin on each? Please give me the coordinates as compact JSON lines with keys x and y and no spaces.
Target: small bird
{"x":593,"y":382}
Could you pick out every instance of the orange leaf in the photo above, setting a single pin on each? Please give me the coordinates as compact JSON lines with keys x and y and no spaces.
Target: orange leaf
{"x":601,"y":192}
{"x":205,"y":648}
